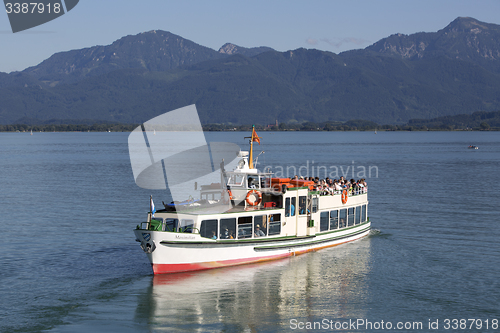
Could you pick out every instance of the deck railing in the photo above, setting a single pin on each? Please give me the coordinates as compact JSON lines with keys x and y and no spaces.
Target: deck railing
{"x":351,"y":192}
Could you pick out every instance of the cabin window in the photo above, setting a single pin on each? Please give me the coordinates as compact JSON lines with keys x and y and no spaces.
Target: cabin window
{"x":265,"y":182}
{"x":156,"y":224}
{"x":363,"y":213}
{"x":245,"y":227}
{"x":334,"y":219}
{"x":171,"y":225}
{"x":357,"y":218}
{"x":227,"y":228}
{"x":186,"y":225}
{"x":292,"y":207}
{"x":314,"y":204}
{"x":211,"y":196}
{"x":287,"y":207}
{"x":261,"y":221}
{"x":274,"y":224}
{"x":342,"y":218}
{"x":302,"y":205}
{"x":323,"y":221}
{"x":253,"y":181}
{"x":235,"y":180}
{"x":350,"y":217}
{"x":209,"y":229}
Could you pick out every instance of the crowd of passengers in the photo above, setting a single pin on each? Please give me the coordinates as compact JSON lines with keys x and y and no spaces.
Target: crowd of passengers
{"x":328,"y":186}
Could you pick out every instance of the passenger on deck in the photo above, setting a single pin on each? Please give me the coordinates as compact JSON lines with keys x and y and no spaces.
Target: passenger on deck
{"x":214,"y":236}
{"x":354,"y":186}
{"x":250,"y":183}
{"x":323,"y":188}
{"x":328,"y":187}
{"x":362,"y":184}
{"x":337,"y":186}
{"x":258,"y":232}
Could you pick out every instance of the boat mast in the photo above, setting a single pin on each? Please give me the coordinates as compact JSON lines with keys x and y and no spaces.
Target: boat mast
{"x":253,"y":138}
{"x":250,"y":159}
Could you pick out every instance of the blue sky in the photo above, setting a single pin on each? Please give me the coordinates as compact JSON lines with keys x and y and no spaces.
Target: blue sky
{"x":327,"y":25}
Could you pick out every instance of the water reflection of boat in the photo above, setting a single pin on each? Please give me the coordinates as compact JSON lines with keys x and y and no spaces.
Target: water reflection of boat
{"x":257,"y":297}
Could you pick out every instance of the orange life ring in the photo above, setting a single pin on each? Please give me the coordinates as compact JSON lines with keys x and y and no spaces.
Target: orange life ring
{"x":344,"y":196}
{"x":229,"y":197}
{"x":256,"y":202}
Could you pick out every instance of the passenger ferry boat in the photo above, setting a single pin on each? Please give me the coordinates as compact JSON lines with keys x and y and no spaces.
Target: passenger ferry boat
{"x":263,"y":218}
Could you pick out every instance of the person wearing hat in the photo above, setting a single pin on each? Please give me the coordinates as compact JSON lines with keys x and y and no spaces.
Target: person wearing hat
{"x":258,"y":232}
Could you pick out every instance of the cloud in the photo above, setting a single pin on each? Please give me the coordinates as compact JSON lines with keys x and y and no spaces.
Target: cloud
{"x":311,"y":41}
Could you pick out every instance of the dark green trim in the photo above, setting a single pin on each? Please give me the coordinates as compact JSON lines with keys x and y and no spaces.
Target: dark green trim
{"x":264,"y":239}
{"x":313,"y":242}
{"x":297,"y":188}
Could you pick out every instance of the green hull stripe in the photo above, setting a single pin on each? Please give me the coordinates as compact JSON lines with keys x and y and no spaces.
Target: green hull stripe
{"x":313,"y":242}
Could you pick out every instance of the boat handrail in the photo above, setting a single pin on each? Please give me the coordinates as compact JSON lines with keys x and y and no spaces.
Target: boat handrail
{"x":351,"y":192}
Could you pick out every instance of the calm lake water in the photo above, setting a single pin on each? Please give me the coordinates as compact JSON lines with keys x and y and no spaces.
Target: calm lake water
{"x":69,"y":261}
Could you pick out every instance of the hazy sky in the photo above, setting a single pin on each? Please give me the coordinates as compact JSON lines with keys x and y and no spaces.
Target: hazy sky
{"x":328,"y":25}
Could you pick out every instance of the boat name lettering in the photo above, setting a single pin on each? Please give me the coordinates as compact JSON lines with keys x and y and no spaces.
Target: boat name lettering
{"x":184,"y":237}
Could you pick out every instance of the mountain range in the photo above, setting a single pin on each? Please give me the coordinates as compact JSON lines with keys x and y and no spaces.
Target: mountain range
{"x":424,"y":75}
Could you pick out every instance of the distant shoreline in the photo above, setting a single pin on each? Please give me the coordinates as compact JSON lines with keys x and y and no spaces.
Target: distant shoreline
{"x":21,"y":128}
{"x":477,"y":121}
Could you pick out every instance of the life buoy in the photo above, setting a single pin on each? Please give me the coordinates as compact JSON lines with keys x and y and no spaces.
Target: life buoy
{"x":252,"y":193}
{"x":344,"y":196}
{"x":227,"y":199}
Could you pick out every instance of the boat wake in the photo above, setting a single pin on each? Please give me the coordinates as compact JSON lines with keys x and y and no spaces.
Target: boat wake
{"x":377,"y":233}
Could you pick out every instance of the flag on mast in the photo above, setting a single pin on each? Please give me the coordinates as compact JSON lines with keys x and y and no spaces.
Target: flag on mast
{"x":255,"y":137}
{"x":152,"y":206}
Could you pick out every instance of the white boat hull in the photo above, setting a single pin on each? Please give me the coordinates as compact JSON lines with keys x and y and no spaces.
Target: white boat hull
{"x":172,"y":252}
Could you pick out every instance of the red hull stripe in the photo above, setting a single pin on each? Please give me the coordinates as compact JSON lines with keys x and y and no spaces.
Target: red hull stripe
{"x":176,"y":268}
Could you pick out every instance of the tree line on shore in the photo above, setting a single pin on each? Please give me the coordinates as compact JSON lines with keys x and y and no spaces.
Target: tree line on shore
{"x":69,"y":128}
{"x":477,"y":121}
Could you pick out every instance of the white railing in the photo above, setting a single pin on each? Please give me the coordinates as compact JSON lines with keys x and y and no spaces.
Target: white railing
{"x":351,"y":191}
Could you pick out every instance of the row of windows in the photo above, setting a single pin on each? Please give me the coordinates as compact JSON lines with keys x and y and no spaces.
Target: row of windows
{"x":263,"y":225}
{"x":172,"y":225}
{"x":337,"y":219}
{"x":249,"y":181}
{"x":242,"y":227}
